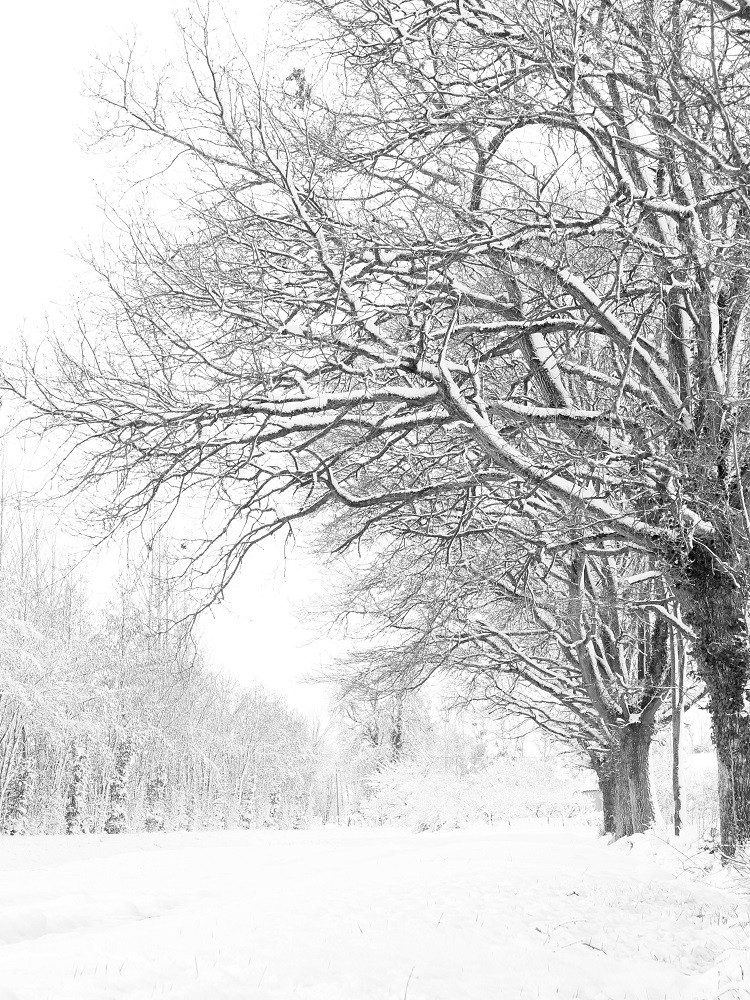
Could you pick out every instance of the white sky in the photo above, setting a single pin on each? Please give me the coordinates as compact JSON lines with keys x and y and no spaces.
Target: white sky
{"x":51,"y":206}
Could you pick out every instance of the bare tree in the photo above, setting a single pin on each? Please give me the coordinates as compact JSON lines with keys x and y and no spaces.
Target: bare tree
{"x":378,"y":720}
{"x":580,"y":648}
{"x":495,"y":261}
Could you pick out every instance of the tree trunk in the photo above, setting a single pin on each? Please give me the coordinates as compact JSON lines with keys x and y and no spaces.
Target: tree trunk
{"x":623,"y":810}
{"x":74,"y":801}
{"x":678,"y":699}
{"x":608,"y":788}
{"x":614,"y":785}
{"x":716,"y":610}
{"x":732,"y":739}
{"x":625,"y":782}
{"x":637,"y":810}
{"x":117,"y":819}
{"x":606,"y":767}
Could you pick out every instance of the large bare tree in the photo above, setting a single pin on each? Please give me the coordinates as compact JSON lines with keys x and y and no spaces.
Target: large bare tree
{"x":581,"y":648}
{"x":479,"y":257}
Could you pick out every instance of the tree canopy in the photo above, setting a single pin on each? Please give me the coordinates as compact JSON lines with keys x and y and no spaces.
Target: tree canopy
{"x":480,"y":267}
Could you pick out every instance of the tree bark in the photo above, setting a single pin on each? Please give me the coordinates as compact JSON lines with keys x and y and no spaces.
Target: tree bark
{"x":717,"y":603}
{"x":623,"y":810}
{"x":732,"y":738}
{"x":606,"y":767}
{"x":637,"y":809}
{"x":678,"y":698}
{"x":608,"y":788}
{"x":626,"y":784}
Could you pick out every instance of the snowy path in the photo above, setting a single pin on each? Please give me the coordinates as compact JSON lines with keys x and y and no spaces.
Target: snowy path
{"x":341,"y":914}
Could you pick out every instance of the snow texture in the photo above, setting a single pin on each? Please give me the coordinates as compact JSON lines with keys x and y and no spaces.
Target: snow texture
{"x":529,"y":911}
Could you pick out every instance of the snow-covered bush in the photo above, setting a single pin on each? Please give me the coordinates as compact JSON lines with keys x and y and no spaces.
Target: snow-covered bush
{"x":453,"y":769}
{"x":424,"y":794}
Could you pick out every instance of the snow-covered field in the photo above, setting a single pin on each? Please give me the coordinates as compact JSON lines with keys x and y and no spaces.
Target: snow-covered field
{"x":351,"y":914}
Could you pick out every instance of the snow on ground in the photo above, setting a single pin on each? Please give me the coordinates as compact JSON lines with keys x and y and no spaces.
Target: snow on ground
{"x":352,"y":914}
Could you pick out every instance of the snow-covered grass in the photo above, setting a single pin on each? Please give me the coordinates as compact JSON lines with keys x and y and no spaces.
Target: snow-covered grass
{"x":528,"y":911}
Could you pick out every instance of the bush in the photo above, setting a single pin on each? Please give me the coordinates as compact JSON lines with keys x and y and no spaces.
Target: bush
{"x":425,"y":794}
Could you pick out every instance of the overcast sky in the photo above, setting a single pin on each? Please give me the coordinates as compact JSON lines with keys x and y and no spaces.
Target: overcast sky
{"x":51,"y":205}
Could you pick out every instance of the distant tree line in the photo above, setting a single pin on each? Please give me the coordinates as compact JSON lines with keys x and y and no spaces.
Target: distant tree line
{"x":109,"y":719}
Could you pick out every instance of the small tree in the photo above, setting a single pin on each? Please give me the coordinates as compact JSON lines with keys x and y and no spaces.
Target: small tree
{"x":248,"y":803}
{"x":273,"y":818}
{"x":117,"y":816}
{"x":75,"y":797}
{"x":154,"y":801}
{"x":21,"y":786}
